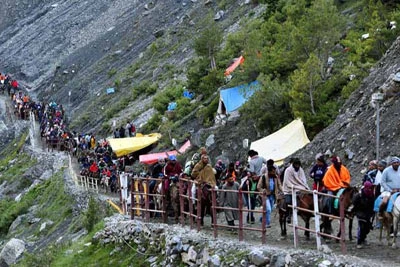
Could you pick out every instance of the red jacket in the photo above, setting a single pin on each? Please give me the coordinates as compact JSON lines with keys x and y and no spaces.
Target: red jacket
{"x":171,"y":169}
{"x":93,"y":168}
{"x":14,"y":83}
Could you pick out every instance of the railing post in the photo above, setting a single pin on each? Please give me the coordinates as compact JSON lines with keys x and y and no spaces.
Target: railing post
{"x":164,"y":199}
{"x":295,"y":219}
{"x":190,"y":204}
{"x":132,"y":198}
{"x":317,"y":220}
{"x":342,"y":225}
{"x":240,"y":215}
{"x":181,"y":200}
{"x":214,"y":211}
{"x":199,"y":196}
{"x":264,"y":217}
{"x":147,"y":199}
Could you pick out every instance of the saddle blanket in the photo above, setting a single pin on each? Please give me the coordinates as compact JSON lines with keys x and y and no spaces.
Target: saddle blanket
{"x":336,"y":201}
{"x":390,"y":204}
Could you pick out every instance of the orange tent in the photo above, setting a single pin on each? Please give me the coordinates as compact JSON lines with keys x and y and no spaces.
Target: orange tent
{"x":235,"y":64}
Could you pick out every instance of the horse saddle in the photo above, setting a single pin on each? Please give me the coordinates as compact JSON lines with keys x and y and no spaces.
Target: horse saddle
{"x":390,"y":203}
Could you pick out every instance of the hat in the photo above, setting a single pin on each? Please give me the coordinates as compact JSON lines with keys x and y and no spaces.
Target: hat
{"x":373,"y":162}
{"x":368,"y":185}
{"x":394,"y":160}
{"x":382,"y":163}
{"x":172,"y":157}
{"x":335,"y":159}
{"x":196,"y":157}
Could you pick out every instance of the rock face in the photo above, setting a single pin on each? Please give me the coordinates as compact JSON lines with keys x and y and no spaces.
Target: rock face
{"x":12,"y":251}
{"x":352,"y":135}
{"x":54,"y":47}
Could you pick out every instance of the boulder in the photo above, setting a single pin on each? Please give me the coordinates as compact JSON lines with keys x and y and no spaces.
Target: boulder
{"x":12,"y":251}
{"x":258,"y":258}
{"x":220,"y":14}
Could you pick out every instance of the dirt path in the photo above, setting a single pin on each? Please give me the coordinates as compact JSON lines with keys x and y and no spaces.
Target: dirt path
{"x":378,"y":254}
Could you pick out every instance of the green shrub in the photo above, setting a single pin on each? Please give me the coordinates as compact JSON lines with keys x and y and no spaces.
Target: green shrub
{"x":153,"y":123}
{"x":112,"y":72}
{"x":91,"y":216}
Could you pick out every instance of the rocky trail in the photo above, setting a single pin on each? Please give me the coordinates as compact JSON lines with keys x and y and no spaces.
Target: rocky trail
{"x":376,"y":254}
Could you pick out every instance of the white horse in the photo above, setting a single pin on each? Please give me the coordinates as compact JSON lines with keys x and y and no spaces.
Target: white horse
{"x":396,"y":217}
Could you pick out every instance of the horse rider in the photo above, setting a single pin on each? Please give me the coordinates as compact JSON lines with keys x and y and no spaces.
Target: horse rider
{"x":378,"y":178}
{"x":318,"y":171}
{"x":336,"y":177}
{"x":294,"y":178}
{"x":371,"y":172}
{"x":204,"y":174}
{"x":390,"y":182}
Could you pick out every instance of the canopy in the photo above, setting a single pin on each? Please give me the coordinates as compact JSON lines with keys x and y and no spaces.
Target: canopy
{"x":238,"y":61}
{"x":282,"y":143}
{"x":233,"y":98}
{"x":153,"y":158}
{"x":125,"y":146}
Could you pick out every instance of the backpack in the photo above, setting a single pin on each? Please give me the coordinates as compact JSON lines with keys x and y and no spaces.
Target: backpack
{"x":133,"y":128}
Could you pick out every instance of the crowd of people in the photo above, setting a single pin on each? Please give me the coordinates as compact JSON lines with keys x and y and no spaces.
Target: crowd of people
{"x":97,"y":160}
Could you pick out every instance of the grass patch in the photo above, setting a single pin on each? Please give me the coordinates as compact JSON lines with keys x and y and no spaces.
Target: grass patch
{"x":77,"y":254}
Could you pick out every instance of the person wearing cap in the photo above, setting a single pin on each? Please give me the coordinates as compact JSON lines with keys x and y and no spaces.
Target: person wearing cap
{"x":371,"y":172}
{"x":318,"y":171}
{"x":173,"y":167}
{"x":390,"y":182}
{"x":363,"y":206}
{"x":220,"y":169}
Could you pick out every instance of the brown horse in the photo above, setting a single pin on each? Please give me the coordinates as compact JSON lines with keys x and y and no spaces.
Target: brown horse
{"x":304,"y":201}
{"x":347,"y":198}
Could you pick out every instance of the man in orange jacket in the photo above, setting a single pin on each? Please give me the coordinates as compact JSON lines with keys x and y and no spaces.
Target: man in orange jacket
{"x":337,"y":176}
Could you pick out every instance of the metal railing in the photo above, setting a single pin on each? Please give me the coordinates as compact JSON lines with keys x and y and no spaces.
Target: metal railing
{"x":317,"y":219}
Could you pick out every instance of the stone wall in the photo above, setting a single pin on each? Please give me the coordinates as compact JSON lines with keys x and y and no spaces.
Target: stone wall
{"x":171,"y":245}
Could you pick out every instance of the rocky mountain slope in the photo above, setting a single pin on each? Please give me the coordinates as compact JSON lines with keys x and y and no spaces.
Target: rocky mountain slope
{"x":352,"y":135}
{"x":57,"y":47}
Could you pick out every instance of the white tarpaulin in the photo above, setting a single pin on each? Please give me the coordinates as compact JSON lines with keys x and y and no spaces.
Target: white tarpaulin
{"x":282,"y":143}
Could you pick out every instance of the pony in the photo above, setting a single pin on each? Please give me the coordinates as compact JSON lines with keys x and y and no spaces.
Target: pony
{"x":347,"y":198}
{"x":304,"y":201}
{"x":205,"y":201}
{"x":390,"y":219}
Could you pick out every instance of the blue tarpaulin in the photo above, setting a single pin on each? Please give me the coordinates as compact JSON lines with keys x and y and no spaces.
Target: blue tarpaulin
{"x":110,"y":91}
{"x":235,"y":97}
{"x":188,"y":94}
{"x":172,"y":106}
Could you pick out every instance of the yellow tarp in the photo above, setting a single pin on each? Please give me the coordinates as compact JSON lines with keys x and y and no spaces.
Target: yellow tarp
{"x":282,"y":143}
{"x":124,"y":146}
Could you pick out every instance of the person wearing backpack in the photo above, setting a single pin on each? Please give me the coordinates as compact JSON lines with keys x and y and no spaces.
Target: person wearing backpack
{"x":270,"y":184}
